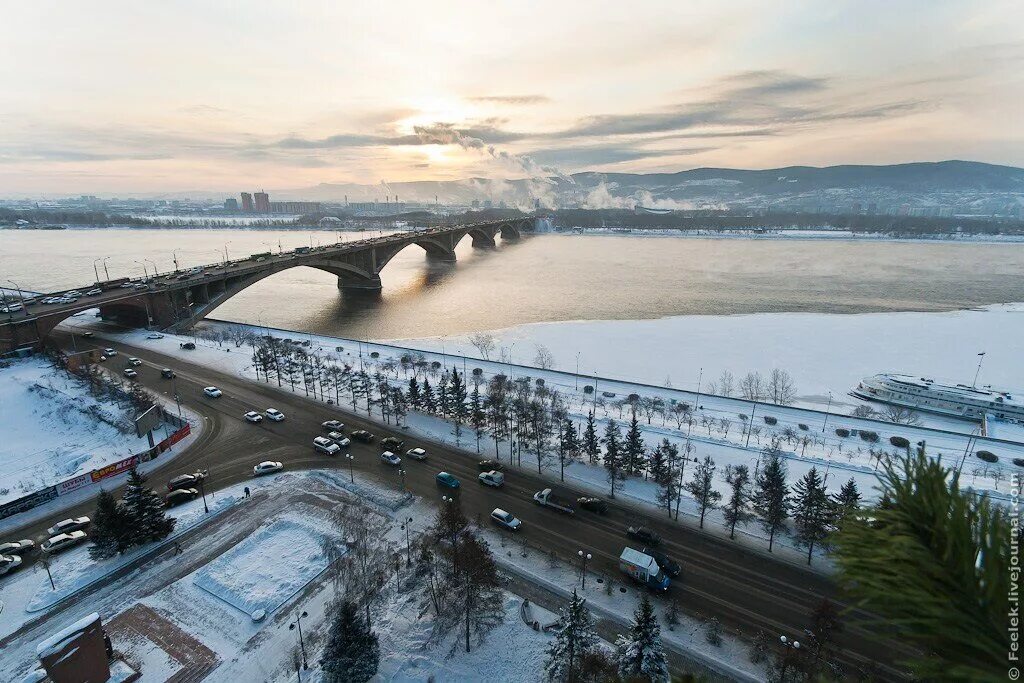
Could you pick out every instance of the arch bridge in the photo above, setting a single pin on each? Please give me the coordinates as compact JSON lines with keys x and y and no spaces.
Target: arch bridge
{"x":176,"y":301}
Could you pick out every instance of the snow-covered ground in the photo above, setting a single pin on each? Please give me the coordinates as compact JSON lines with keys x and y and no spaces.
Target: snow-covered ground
{"x":54,"y":429}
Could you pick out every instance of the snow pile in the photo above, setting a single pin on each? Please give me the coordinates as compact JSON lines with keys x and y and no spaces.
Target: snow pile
{"x":266,"y":569}
{"x":383,"y":497}
{"x":54,"y":429}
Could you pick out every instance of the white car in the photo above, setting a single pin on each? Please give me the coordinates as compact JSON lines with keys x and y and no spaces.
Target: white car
{"x":13,"y":308}
{"x":274,"y":414}
{"x":212,"y":392}
{"x":155,"y":335}
{"x":8,"y":563}
{"x":332,"y":426}
{"x":267,"y":467}
{"x":417,"y":453}
{"x":390,"y":458}
{"x":506,"y":519}
{"x":324,"y":445}
{"x":254,"y":417}
{"x":66,"y":525}
{"x":62,"y":541}
{"x":340,"y":439}
{"x":131,"y":374}
{"x":135,"y":361}
{"x":109,"y":353}
{"x":94,"y":292}
{"x":17,"y":547}
{"x":493,"y":478}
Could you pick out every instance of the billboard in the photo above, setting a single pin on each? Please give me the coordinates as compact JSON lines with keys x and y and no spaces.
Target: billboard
{"x":74,"y":483}
{"x":114,"y":468}
{"x":147,"y":421}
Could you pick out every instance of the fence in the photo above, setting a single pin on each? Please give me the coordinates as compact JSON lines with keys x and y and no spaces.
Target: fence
{"x":37,"y":498}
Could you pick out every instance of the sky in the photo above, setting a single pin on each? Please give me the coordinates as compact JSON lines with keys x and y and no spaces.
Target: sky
{"x":129,"y":97}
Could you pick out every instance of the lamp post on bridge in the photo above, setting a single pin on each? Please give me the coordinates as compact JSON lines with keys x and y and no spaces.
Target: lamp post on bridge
{"x":174,"y":257}
{"x":21,"y":297}
{"x":145,"y":273}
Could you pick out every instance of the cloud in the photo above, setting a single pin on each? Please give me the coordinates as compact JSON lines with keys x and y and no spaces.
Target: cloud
{"x":599,"y":155}
{"x":510,"y":99}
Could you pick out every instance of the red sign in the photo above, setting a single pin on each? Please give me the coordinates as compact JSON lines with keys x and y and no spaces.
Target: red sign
{"x":115,"y":468}
{"x":174,"y":438}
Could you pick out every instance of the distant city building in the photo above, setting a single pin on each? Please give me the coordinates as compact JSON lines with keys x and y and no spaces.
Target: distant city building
{"x":262,"y":202}
{"x":247,"y":205}
{"x":291,"y":207}
{"x":231,"y":204}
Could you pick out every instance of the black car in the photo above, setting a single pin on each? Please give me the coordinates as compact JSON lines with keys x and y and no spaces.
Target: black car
{"x":642,"y":533}
{"x":670,"y":566}
{"x":188,"y":346}
{"x":179,"y":496}
{"x":167,"y":373}
{"x":593,"y":504}
{"x":362,"y":435}
{"x":490,"y":466}
{"x":391,"y":443}
{"x":185,"y":481}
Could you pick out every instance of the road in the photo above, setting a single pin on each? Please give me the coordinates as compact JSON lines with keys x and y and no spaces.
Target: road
{"x":745,"y":590}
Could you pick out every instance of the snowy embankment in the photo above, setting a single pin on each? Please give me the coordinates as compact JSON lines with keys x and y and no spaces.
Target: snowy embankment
{"x":797,"y":234}
{"x":54,"y":428}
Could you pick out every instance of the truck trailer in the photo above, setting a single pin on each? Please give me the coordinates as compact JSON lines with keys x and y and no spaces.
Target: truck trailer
{"x":643,"y":569}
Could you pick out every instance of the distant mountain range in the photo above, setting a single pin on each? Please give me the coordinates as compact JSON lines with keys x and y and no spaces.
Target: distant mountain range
{"x":960,"y":185}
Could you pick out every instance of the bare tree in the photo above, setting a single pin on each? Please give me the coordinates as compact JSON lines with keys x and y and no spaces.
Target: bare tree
{"x":781,"y":389}
{"x":544,"y":358}
{"x":484,"y":343}
{"x":900,"y":415}
{"x":864,"y":411}
{"x":752,"y":386}
{"x":726,"y":384}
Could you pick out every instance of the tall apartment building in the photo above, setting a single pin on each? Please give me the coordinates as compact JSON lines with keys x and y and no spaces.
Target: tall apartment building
{"x":262,"y":202}
{"x":231,"y":204}
{"x":247,"y":205}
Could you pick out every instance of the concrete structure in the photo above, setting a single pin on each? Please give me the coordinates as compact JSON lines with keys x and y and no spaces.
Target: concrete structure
{"x":262,"y":202}
{"x":247,"y":204}
{"x":295,"y":207}
{"x":231,"y":204}
{"x":176,"y":301}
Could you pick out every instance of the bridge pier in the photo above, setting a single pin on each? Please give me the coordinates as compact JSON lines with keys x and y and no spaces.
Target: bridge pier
{"x":350,"y":284}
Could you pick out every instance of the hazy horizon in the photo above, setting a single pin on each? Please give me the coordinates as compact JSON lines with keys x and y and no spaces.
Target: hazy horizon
{"x":147,"y":99}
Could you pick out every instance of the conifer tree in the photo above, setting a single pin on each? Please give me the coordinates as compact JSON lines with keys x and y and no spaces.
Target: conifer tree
{"x":735,"y":512}
{"x":613,"y":457}
{"x":144,"y":512}
{"x":702,"y":489}
{"x":414,"y":393}
{"x":812,"y":512}
{"x":639,"y":653}
{"x":427,"y":400}
{"x":109,"y":533}
{"x":591,"y":442}
{"x":576,"y":640}
{"x":568,"y":444}
{"x":771,"y":495}
{"x":352,"y":653}
{"x":846,"y":501}
{"x":634,"y":447}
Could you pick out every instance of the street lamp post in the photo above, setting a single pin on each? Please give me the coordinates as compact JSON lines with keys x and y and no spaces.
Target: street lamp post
{"x":226,"y":252}
{"x":95,"y":270}
{"x":790,"y":649}
{"x":577,"y":377}
{"x":154,"y":265}
{"x":145,"y":273}
{"x":584,"y":558}
{"x":302,"y":643}
{"x":202,"y":480}
{"x":828,"y":408}
{"x":401,"y":473}
{"x":408,"y":542}
{"x":351,"y":475}
{"x":21,"y":297}
{"x":174,"y":257}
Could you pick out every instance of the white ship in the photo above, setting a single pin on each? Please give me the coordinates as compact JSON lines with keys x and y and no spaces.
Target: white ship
{"x":927,"y":395}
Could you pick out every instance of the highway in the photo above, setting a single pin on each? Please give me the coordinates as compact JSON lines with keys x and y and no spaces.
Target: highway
{"x":745,"y":590}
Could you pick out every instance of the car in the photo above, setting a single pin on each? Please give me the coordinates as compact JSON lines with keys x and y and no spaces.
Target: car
{"x":490,"y":466}
{"x":167,"y":373}
{"x":390,"y":458}
{"x":332,"y":426}
{"x":445,"y":479}
{"x":274,"y":414}
{"x":102,"y":358}
{"x":142,"y":285}
{"x":667,"y":564}
{"x":642,"y":533}
{"x":94,"y":291}
{"x":8,"y":563}
{"x":130,"y":373}
{"x":59,"y":542}
{"x":134,"y":361}
{"x":254,"y":417}
{"x":179,"y":496}
{"x":17,"y":547}
{"x":66,"y":525}
{"x":184,"y":481}
{"x":324,"y":445}
{"x":212,"y":392}
{"x":362,"y":435}
{"x":188,"y":346}
{"x":267,"y":467}
{"x":88,"y":335}
{"x":154,"y":335}
{"x":492,"y":478}
{"x":126,"y":285}
{"x":391,"y":443}
{"x":340,"y":439}
{"x":417,"y":453}
{"x":593,"y":504}
{"x":506,"y":519}
{"x":109,"y":353}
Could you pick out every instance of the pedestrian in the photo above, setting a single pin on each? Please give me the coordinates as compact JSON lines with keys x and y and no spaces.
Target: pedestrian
{"x":246,"y":491}
{"x":177,"y":548}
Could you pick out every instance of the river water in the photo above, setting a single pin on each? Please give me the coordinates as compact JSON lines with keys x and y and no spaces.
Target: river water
{"x":545,"y":277}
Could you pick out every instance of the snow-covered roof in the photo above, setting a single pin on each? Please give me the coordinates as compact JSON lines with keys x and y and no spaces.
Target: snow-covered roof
{"x":58,"y":641}
{"x":638,"y":558}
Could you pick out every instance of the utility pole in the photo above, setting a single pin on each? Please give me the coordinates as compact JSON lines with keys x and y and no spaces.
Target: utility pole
{"x":981,"y":357}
